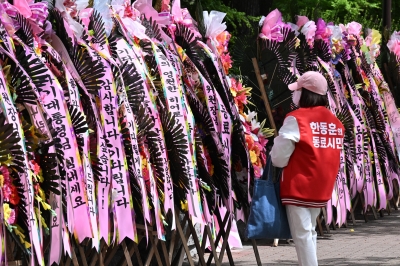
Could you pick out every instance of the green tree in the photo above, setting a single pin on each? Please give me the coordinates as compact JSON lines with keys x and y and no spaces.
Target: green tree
{"x":243,"y":16}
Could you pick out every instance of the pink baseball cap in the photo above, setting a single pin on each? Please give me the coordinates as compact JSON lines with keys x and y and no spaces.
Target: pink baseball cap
{"x":312,"y":81}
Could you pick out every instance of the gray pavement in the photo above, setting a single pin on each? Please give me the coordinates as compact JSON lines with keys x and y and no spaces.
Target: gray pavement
{"x":376,"y":242}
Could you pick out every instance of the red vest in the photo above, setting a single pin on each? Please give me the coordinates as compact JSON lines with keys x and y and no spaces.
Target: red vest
{"x":310,"y":175}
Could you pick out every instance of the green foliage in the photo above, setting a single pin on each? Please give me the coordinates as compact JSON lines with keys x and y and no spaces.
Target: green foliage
{"x":367,"y":12}
{"x":238,"y":23}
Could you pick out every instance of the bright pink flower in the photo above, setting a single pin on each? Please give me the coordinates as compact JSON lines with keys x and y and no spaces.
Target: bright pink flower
{"x":226,"y":62}
{"x":354,"y":28}
{"x":257,"y":171}
{"x":247,"y":126}
{"x":233,"y":83}
{"x":394,"y":43}
{"x":272,"y":26}
{"x":241,"y":98}
{"x":5,"y":173}
{"x":322,"y":32}
{"x":301,"y":20}
{"x":263,"y":141}
{"x":7,"y":191}
{"x":146,"y":175}
{"x":263,"y":158}
{"x":128,"y":11}
{"x":34,"y":166}
{"x":309,"y":31}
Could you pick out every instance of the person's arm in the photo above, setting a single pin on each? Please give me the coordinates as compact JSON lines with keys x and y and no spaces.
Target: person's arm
{"x":284,"y":144}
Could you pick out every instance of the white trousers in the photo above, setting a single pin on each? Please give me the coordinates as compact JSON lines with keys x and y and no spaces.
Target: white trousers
{"x":302,"y":222}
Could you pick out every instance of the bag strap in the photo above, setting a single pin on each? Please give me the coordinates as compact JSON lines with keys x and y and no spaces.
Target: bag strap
{"x":270,"y":171}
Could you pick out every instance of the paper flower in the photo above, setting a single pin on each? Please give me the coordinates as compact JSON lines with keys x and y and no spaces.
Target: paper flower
{"x":239,"y":93}
{"x":309,"y":31}
{"x":272,"y":26}
{"x":257,"y":171}
{"x":7,"y":191}
{"x":7,"y":185}
{"x":34,"y":166}
{"x":394,"y":43}
{"x":222,"y":40}
{"x":255,"y":136}
{"x":323,"y":31}
{"x":301,"y":21}
{"x":354,"y":28}
{"x":213,"y":23}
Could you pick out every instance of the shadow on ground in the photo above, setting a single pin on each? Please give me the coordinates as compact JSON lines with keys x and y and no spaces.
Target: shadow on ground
{"x":337,"y":262}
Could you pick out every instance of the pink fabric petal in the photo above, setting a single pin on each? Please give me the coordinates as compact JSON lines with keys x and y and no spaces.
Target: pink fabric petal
{"x":309,"y":31}
{"x":321,"y":28}
{"x":301,"y":20}
{"x":176,"y":8}
{"x":272,"y":26}
{"x":165,"y":5}
{"x":342,"y":27}
{"x":354,"y":28}
{"x":270,"y":21}
{"x":23,"y":8}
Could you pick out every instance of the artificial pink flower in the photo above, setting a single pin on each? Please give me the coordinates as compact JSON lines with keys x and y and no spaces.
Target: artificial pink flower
{"x":5,"y":173}
{"x":128,"y":11}
{"x":247,"y":127}
{"x":223,"y":41}
{"x":34,"y":166}
{"x":7,"y":191}
{"x":23,"y":8}
{"x":239,"y":86}
{"x":309,"y":31}
{"x":7,"y":183}
{"x":263,"y":158}
{"x":165,"y":5}
{"x":233,"y":83}
{"x":257,"y":171}
{"x":241,"y":99}
{"x":272,"y":26}
{"x":323,"y":32}
{"x":146,"y":175}
{"x":354,"y":28}
{"x":263,"y":141}
{"x":394,"y":43}
{"x":226,"y":62}
{"x":301,"y":20}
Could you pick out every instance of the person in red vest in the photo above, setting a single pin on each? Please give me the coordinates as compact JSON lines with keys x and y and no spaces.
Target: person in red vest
{"x":308,"y":149}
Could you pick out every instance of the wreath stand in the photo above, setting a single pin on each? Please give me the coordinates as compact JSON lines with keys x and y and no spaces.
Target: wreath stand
{"x":273,"y":126}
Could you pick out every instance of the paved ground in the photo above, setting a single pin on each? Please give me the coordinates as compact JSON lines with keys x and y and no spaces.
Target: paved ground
{"x":376,"y":242}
